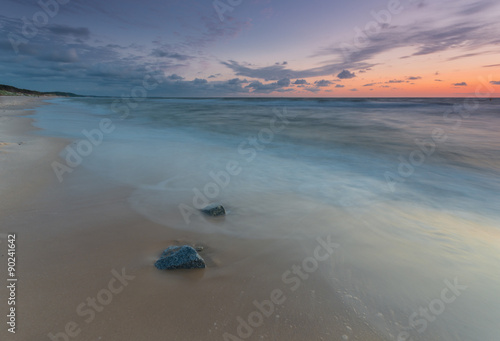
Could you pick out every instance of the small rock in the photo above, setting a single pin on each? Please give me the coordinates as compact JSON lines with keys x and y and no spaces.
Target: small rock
{"x":179,"y":257}
{"x":214,"y":210}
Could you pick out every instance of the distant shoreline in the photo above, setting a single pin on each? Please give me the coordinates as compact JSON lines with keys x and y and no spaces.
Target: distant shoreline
{"x":8,"y":90}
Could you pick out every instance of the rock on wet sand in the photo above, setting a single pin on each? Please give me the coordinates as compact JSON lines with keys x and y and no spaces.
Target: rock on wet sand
{"x":214,"y":210}
{"x":179,"y":257}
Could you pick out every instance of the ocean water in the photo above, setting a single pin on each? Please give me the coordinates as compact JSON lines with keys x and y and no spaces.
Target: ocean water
{"x":409,"y":189}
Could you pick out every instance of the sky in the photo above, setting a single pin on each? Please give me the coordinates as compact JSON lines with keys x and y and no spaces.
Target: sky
{"x":259,"y":48}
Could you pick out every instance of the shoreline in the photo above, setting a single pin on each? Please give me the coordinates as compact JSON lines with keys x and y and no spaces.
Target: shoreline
{"x":79,"y":240}
{"x":22,"y":153}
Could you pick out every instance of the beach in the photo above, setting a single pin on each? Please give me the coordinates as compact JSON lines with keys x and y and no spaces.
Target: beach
{"x":85,"y":263}
{"x":236,"y":170}
{"x":314,"y":245}
{"x":15,"y":138}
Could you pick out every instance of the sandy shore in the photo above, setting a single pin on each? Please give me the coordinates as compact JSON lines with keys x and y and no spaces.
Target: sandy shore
{"x":23,"y":156}
{"x":85,"y":264}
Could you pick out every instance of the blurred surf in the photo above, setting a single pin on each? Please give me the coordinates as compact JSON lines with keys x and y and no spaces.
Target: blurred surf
{"x":408,"y":187}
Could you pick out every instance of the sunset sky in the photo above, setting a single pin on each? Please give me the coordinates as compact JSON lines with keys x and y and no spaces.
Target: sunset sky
{"x":291,"y":48}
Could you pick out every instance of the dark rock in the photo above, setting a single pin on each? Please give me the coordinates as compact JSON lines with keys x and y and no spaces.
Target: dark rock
{"x":179,"y":257}
{"x":214,"y":210}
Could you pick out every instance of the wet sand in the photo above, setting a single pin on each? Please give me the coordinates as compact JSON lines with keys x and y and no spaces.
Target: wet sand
{"x":85,"y":263}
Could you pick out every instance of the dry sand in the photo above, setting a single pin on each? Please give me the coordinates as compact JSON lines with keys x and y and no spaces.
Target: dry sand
{"x":74,"y":237}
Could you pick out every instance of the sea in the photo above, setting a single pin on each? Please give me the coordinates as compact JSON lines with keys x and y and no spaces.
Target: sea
{"x":409,"y":188}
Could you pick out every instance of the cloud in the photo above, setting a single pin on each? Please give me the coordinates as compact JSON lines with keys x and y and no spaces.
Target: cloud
{"x":52,"y":62}
{"x":276,"y":72}
{"x":231,"y":86}
{"x":473,"y":8}
{"x":284,"y":82}
{"x":432,"y":41}
{"x":300,"y":82}
{"x":236,"y":81}
{"x":426,"y":36}
{"x":323,"y":83}
{"x":467,"y":55}
{"x":313,"y":89}
{"x":199,"y":81}
{"x":369,"y":84}
{"x":345,"y":74}
{"x":175,"y":77}
{"x":339,"y":86}
{"x":270,"y":87}
{"x":75,"y":55}
{"x":63,"y":56}
{"x":353,"y":89}
{"x":92,"y":66}
{"x":82,"y":33}
{"x":68,"y":58}
{"x":460,"y":84}
{"x":495,"y":82}
{"x":162,"y":53}
{"x":494,"y":65}
{"x":395,"y":81}
{"x":414,"y":78}
{"x":438,"y":80}
{"x":201,"y":87}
